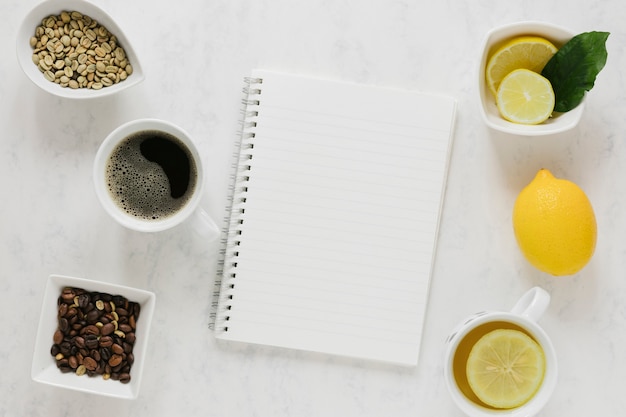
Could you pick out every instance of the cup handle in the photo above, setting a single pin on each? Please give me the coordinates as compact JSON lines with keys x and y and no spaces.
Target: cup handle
{"x":532,"y":304}
{"x":204,"y":225}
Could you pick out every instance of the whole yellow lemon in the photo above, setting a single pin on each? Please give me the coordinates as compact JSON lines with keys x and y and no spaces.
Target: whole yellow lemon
{"x":554,"y":225}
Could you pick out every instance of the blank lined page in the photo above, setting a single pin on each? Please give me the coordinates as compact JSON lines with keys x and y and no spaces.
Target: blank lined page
{"x":335,"y":217}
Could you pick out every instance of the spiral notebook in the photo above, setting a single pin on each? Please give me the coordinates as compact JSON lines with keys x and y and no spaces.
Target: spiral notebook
{"x":336,"y":194}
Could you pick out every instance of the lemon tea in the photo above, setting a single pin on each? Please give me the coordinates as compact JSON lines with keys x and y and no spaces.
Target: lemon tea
{"x":463,"y":351}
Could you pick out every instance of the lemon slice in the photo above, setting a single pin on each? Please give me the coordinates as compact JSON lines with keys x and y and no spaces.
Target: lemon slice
{"x":528,"y":52}
{"x":525,"y":97}
{"x":505,"y":368}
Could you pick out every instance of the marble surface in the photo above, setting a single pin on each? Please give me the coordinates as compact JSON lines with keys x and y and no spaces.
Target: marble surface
{"x":195,"y":54}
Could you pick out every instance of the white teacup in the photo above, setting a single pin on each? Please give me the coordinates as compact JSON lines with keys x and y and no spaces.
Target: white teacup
{"x":523,"y":316}
{"x":127,"y":216}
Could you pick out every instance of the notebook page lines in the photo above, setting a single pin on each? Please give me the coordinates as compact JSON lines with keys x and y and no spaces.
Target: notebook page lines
{"x":340,"y":204}
{"x":325,"y":308}
{"x":365,"y":138}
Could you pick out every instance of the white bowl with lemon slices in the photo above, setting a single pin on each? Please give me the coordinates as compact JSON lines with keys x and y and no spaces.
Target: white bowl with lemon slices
{"x":544,"y":37}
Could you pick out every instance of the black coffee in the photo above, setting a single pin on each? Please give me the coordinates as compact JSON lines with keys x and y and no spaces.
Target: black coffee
{"x":151,"y":174}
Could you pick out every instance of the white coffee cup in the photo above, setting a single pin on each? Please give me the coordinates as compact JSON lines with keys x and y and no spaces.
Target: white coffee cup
{"x":524,"y":315}
{"x":192,"y":201}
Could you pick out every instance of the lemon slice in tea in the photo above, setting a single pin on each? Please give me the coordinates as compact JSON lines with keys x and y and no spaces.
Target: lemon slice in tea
{"x":525,"y":97}
{"x":505,"y":368}
{"x":529,"y":52}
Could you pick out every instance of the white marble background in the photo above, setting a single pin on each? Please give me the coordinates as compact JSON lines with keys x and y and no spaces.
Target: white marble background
{"x":195,"y":54}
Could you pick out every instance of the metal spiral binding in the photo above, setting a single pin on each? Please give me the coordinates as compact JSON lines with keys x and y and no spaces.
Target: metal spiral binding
{"x":231,"y":234}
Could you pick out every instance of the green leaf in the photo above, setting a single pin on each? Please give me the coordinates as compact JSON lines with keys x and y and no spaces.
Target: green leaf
{"x":573,"y":69}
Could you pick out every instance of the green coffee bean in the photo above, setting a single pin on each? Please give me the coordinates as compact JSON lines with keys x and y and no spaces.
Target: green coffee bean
{"x":73,"y":41}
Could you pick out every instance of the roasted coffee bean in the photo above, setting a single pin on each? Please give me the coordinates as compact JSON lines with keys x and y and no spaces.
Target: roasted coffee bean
{"x":83,"y":300}
{"x":90,"y":329}
{"x":106,"y":341}
{"x":100,"y":368}
{"x":90,"y":363}
{"x":68,"y":296}
{"x":136,"y":310}
{"x":130,"y":338}
{"x":119,"y":301}
{"x":107,"y":329}
{"x":89,"y":307}
{"x":105,"y":353}
{"x":125,"y":328}
{"x":79,"y":341}
{"x":65,"y":347}
{"x":91,"y":341}
{"x":115,"y":360}
{"x":73,"y":362}
{"x":92,"y":316}
{"x":62,"y":310}
{"x":64,"y":325}
{"x":64,"y":365}
{"x":117,"y":349}
{"x":95,"y":334}
{"x":95,"y":354}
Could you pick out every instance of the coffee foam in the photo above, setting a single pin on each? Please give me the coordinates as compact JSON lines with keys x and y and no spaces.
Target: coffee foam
{"x":140,"y":187}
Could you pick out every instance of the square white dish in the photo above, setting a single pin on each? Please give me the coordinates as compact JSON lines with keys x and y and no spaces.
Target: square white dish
{"x":44,"y":368}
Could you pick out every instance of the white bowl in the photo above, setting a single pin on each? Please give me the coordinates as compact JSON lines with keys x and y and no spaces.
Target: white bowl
{"x":44,"y":368}
{"x":560,"y":122}
{"x":55,"y":7}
